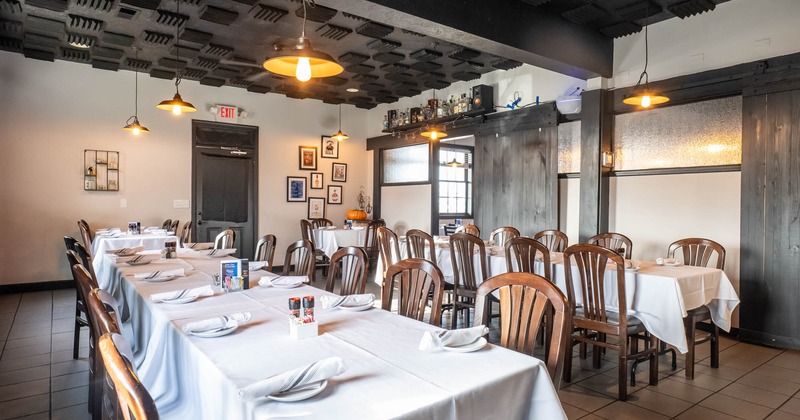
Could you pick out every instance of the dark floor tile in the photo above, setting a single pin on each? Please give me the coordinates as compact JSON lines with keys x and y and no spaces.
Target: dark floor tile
{"x":28,"y":362}
{"x":24,"y":375}
{"x":70,"y":366}
{"x":69,"y":397}
{"x":72,"y":380}
{"x":25,"y":352}
{"x":24,"y":406}
{"x":75,"y":412}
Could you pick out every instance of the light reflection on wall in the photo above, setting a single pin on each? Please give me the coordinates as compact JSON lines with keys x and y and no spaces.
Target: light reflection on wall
{"x":707,"y":133}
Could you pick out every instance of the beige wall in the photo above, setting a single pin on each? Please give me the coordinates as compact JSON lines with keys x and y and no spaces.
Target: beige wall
{"x":569,"y":199}
{"x":52,"y":111}
{"x":407,"y":204}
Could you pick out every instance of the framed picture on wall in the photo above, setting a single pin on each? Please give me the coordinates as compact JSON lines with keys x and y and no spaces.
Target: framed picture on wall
{"x":296,"y":188}
{"x":316,"y":208}
{"x":339,"y":172}
{"x":334,"y":194}
{"x":316,"y":180}
{"x":308,"y":158}
{"x":329,"y":148}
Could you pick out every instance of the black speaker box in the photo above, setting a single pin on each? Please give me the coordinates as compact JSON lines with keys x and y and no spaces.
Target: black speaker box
{"x":482,"y":98}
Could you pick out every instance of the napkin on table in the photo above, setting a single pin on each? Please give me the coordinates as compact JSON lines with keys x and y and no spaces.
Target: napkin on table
{"x":185,"y":293}
{"x":120,"y":251}
{"x":216,"y":323}
{"x":162,"y":273}
{"x":315,"y":372}
{"x":198,"y":246}
{"x":432,"y":340}
{"x":351,"y":300}
{"x":282,"y":280}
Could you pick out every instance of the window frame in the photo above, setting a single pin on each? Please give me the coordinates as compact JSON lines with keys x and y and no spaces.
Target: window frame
{"x":468,"y":181}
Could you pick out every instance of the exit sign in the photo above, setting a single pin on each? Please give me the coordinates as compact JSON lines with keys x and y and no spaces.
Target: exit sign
{"x":227,"y":113}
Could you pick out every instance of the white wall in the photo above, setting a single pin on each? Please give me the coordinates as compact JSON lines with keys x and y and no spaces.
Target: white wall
{"x":52,"y":111}
{"x":569,"y":201}
{"x":529,"y":81}
{"x":738,"y":31}
{"x":407,"y":204}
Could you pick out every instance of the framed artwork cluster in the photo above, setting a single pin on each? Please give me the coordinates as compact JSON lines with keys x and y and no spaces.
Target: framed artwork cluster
{"x":100,"y":170}
{"x":297,"y":187}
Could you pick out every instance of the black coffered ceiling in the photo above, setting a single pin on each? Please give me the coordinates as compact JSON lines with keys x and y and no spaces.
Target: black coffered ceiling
{"x":225,"y":42}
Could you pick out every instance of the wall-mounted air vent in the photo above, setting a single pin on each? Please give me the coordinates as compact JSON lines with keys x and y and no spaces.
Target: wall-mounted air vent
{"x":99,"y":5}
{"x":165,"y":17}
{"x":383,"y":45}
{"x":585,"y":14}
{"x":54,"y":5}
{"x":219,"y":16}
{"x":374,"y":29}
{"x":266,"y":13}
{"x":157,"y":38}
{"x":333,"y":32}
{"x":85,"y":23}
{"x":218,"y":50}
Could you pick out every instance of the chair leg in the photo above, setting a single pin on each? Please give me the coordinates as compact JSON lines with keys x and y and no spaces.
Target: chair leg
{"x":715,"y":346}
{"x":77,"y":334}
{"x":654,"y":360}
{"x":454,"y":315}
{"x":623,"y":375}
{"x":567,"y":374}
{"x":689,"y":326}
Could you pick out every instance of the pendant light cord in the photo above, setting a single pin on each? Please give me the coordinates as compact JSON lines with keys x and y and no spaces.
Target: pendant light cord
{"x":312,"y":4}
{"x":646,"y":50}
{"x":136,"y":93}
{"x":177,"y":47}
{"x":340,"y":118}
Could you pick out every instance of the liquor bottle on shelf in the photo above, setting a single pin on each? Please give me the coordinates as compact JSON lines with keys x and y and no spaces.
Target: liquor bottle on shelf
{"x":385,"y":123}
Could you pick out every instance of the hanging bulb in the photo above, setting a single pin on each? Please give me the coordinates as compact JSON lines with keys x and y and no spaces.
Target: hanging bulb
{"x":176,"y":110}
{"x":645,"y":101}
{"x":136,"y":131}
{"x":434,"y":135}
{"x":303,"y":72}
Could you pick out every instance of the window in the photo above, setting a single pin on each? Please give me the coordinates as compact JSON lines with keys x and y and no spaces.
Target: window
{"x":406,"y":165}
{"x":455,"y":183}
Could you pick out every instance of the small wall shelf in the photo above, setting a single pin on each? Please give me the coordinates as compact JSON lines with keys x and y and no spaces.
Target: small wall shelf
{"x":100,"y":170}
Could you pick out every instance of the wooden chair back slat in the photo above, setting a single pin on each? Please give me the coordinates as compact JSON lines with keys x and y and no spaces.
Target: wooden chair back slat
{"x":388,"y":247}
{"x":166,"y":225}
{"x":86,"y":235}
{"x":522,"y":254}
{"x":698,"y":252}
{"x":418,"y":242}
{"x":225,"y":240}
{"x":465,"y":251}
{"x":616,"y":242}
{"x":470,"y":229}
{"x":349,"y":264}
{"x":502,"y":234}
{"x":130,"y":391}
{"x":186,"y":232}
{"x":300,"y":260}
{"x":320,"y":223}
{"x":265,"y":250}
{"x":554,"y":240}
{"x":417,"y":280}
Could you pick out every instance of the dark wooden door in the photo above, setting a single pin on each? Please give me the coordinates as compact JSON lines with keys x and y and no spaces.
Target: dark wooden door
{"x":770,"y":212}
{"x":225,"y":183}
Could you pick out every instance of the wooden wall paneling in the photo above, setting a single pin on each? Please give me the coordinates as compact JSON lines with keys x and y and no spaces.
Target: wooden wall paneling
{"x":483,"y":179}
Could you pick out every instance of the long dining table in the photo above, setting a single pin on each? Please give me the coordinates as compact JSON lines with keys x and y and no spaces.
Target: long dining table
{"x":387,"y":375}
{"x":659,"y":296}
{"x":330,"y":239}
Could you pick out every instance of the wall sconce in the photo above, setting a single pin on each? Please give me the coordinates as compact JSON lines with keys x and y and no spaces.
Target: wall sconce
{"x":608,"y":160}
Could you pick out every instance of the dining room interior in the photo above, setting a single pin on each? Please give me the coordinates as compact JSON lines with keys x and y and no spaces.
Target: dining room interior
{"x":461,"y":119}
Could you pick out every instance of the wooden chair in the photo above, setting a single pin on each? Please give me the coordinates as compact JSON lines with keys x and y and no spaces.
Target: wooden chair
{"x":594,"y":322}
{"x":371,"y":240}
{"x":698,"y":252}
{"x":85,"y":284}
{"x":320,"y":223}
{"x":503,"y":234}
{"x":225,"y":240}
{"x":321,"y":260}
{"x":616,"y":242}
{"x":521,"y":255}
{"x":349,"y":263}
{"x":186,"y":232}
{"x":302,"y":252}
{"x":167,"y":224}
{"x":388,"y":247}
{"x":463,"y":255}
{"x":417,"y":242}
{"x":418,"y":282}
{"x":554,"y":240}
{"x":524,"y":300}
{"x":173,"y":227}
{"x":103,"y":321}
{"x":86,"y":235}
{"x":81,"y":319}
{"x":132,"y":396}
{"x":470,"y":229}
{"x":265,"y":250}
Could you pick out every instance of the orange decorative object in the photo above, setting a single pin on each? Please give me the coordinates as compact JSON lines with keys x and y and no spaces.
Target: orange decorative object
{"x":356,"y":215}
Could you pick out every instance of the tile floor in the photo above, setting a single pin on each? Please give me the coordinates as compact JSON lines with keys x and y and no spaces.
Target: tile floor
{"x":40,"y":380}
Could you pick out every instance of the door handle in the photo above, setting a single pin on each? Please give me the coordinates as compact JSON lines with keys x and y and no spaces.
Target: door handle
{"x":200,"y":218}
{"x":199,"y":222}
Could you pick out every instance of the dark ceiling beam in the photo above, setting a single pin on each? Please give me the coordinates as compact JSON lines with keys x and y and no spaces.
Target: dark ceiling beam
{"x":507,"y":28}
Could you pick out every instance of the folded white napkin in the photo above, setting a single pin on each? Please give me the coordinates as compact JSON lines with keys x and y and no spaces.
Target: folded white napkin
{"x":178,"y":272}
{"x":330,"y":227}
{"x":315,"y":372}
{"x":198,"y":246}
{"x":210,"y":324}
{"x":140,"y":257}
{"x":351,"y":300}
{"x":282,"y":280}
{"x":125,"y":251}
{"x":219,"y":252}
{"x":359,"y":227}
{"x":257,"y":265}
{"x":432,"y":340}
{"x":631,"y":264}
{"x":180,"y":294}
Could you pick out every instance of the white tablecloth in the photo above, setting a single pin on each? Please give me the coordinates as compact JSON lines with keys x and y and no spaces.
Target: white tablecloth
{"x":149,"y":241}
{"x":387,"y":376}
{"x":330,"y":240}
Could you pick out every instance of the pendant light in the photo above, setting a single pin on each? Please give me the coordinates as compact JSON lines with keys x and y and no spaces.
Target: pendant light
{"x":339,"y":135}
{"x":133,"y":122}
{"x":177,"y":105}
{"x":302,"y":61}
{"x":643,"y":95}
{"x":434,"y":131}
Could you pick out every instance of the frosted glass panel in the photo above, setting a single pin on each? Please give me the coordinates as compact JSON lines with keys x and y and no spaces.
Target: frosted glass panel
{"x":705,"y":133}
{"x":405,"y":164}
{"x":569,"y":147}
